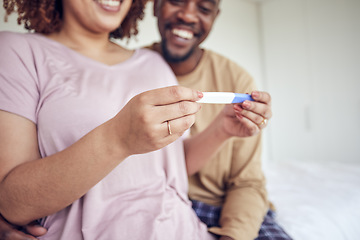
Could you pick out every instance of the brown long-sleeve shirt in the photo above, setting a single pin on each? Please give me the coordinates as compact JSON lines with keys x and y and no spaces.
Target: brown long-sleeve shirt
{"x":233,"y":178}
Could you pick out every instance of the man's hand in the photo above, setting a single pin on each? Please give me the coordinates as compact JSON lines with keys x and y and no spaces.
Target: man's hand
{"x":11,"y":232}
{"x":248,"y":118}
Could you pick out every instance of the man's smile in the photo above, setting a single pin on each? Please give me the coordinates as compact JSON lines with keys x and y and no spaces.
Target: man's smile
{"x":188,"y":35}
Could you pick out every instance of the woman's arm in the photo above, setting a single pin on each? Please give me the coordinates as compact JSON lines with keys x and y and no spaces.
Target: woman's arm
{"x":32,"y":187}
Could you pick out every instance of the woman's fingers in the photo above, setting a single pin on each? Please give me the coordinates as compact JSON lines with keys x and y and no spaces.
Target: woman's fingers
{"x":35,"y":229}
{"x":172,"y":94}
{"x":255,"y":118}
{"x":258,"y":108}
{"x":175,"y":104}
{"x":253,"y":115}
{"x":153,"y":119}
{"x":177,"y":110}
{"x":263,"y":97}
{"x":178,"y":126}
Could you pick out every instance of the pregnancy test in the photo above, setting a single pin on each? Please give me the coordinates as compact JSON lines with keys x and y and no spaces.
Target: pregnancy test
{"x":224,"y":97}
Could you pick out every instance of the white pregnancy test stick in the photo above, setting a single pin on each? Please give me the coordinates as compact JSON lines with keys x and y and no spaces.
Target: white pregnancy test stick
{"x":224,"y":97}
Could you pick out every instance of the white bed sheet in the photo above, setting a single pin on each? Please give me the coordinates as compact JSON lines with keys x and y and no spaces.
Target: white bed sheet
{"x":316,"y":200}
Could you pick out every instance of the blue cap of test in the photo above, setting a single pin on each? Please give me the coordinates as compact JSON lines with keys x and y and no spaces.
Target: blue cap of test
{"x":241,"y":97}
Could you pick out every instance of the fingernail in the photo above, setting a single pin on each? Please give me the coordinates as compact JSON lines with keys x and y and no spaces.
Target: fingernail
{"x":238,"y":115}
{"x":237,"y":108}
{"x":255,"y":94}
{"x":246,"y":105}
{"x":200,"y":94}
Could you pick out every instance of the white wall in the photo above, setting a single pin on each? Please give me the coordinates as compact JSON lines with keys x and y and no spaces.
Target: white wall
{"x":11,"y":25}
{"x":312,"y":61}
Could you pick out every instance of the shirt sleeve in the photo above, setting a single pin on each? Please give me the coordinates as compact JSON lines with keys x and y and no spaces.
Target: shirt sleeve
{"x":18,"y":91}
{"x":245,"y":203}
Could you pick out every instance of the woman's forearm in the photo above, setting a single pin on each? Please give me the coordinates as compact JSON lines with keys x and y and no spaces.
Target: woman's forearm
{"x":31,"y":188}
{"x":41,"y":187}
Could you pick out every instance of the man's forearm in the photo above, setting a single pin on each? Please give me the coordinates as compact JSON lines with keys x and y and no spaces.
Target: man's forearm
{"x":200,"y":148}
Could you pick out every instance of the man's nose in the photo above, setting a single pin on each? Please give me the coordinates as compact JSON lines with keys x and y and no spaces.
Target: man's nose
{"x":189,"y":13}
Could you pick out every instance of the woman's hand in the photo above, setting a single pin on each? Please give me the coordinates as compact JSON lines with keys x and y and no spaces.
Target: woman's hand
{"x":248,"y":118}
{"x":140,"y":127}
{"x":242,"y":120}
{"x":153,"y":119}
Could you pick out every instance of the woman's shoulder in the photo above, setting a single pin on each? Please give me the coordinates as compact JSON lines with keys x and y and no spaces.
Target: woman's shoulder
{"x":151,"y":54}
{"x":8,"y":38}
{"x":154,"y":64}
{"x":152,"y":58}
{"x":7,"y":35}
{"x":20,"y":42}
{"x":14,"y":47}
{"x":13,"y":38}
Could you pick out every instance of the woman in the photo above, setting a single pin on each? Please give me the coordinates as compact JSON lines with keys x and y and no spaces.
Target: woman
{"x":85,"y":143}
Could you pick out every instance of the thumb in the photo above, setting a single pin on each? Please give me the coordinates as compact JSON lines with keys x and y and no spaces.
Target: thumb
{"x":35,"y":229}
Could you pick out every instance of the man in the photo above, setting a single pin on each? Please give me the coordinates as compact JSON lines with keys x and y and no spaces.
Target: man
{"x":229,"y":192}
{"x":231,"y":185}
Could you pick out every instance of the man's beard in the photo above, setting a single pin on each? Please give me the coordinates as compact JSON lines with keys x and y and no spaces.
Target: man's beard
{"x":174,"y":59}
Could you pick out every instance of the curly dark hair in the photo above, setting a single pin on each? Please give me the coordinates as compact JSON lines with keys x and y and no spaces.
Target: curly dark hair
{"x":45,"y":16}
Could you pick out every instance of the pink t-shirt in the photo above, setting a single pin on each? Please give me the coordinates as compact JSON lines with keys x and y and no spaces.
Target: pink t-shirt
{"x":67,"y":95}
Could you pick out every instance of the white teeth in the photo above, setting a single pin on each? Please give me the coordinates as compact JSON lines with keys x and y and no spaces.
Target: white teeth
{"x":183,"y":33}
{"x":110,"y":3}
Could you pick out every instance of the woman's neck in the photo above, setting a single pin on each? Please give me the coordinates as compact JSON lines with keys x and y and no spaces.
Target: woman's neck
{"x":95,"y":46}
{"x":81,"y":40}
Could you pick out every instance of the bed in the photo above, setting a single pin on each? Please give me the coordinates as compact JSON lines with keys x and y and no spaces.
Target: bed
{"x":316,"y":200}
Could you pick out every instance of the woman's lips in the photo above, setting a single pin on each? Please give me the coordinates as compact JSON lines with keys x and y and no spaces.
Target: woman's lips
{"x":109,"y":5}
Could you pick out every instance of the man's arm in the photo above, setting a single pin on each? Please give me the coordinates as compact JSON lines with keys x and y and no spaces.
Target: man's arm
{"x":245,"y":199}
{"x":241,"y":120}
{"x":245,"y":203}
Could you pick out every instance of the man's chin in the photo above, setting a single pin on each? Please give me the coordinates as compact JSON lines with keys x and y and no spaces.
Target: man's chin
{"x":175,"y":58}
